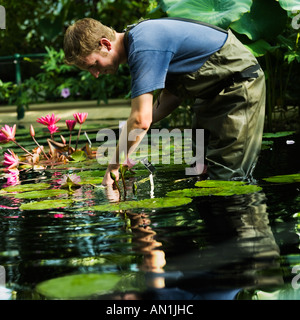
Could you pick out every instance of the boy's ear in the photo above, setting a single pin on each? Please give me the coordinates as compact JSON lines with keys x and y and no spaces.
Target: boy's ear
{"x":104,"y":42}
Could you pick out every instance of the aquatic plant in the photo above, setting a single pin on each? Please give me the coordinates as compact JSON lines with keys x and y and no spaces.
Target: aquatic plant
{"x":59,"y":152}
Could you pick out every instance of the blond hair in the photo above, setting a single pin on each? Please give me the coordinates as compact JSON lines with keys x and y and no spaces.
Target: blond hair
{"x":82,"y":38}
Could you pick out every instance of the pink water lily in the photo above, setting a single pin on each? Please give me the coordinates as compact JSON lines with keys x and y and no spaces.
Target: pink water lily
{"x":52,"y":128}
{"x":80,"y":117}
{"x":48,"y":120}
{"x":11,"y":160}
{"x":70,"y":180}
{"x":7,"y":133}
{"x":71,"y":124}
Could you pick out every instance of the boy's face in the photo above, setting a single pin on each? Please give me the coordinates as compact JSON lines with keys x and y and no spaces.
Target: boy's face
{"x":103,"y":61}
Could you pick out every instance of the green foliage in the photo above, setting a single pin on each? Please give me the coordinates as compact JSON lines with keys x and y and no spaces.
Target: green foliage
{"x":78,"y":286}
{"x":268,"y":28}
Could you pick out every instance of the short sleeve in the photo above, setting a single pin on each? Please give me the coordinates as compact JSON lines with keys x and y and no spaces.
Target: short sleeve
{"x":148,"y":70}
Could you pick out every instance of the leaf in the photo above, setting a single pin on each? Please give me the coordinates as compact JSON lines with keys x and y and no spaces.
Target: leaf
{"x":194,"y":192}
{"x":217,"y":12}
{"x":39,"y":194}
{"x":288,"y":178}
{"x":216,"y":188}
{"x":256,"y":24}
{"x":145,"y":204}
{"x":26,"y":187}
{"x":46,"y":204}
{"x":219,"y":183}
{"x":278,"y":134}
{"x":260,"y":47}
{"x":78,"y":156}
{"x":78,"y":286}
{"x":290,"y":5}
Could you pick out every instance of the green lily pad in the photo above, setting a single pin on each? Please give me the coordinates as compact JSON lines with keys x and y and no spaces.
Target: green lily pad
{"x":46,"y":204}
{"x":216,"y":188}
{"x":91,"y":173}
{"x":194,"y":192}
{"x":91,"y":180}
{"x":154,"y":203}
{"x":78,"y":286}
{"x":26,"y":187}
{"x":219,"y":184}
{"x":78,"y":156}
{"x":278,"y":134}
{"x":40,"y":194}
{"x":288,"y":178}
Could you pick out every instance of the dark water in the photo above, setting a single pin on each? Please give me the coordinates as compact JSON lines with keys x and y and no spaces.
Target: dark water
{"x":237,"y":247}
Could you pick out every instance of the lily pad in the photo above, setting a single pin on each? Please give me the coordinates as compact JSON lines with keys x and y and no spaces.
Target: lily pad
{"x":278,"y":134}
{"x":78,"y":156}
{"x":26,"y":187}
{"x":288,"y":178}
{"x":219,"y":184}
{"x":40,"y":194}
{"x":46,"y":204}
{"x":216,"y":188}
{"x":78,"y":286}
{"x":154,"y":203}
{"x":194,"y":192}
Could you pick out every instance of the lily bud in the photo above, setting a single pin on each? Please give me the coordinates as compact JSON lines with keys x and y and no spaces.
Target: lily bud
{"x":32,"y":133}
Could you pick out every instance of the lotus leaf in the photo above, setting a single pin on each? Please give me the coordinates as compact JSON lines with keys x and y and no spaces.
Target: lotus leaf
{"x":217,"y":12}
{"x":145,"y":204}
{"x":257,"y":25}
{"x":46,"y":204}
{"x":78,"y":286}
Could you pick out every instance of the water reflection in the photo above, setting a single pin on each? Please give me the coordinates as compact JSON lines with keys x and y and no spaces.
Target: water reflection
{"x":234,"y":251}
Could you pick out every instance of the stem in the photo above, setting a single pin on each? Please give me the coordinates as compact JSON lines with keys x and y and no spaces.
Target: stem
{"x":78,"y":137}
{"x":70,"y":140}
{"x":22,"y":148}
{"x":123,"y":180}
{"x":40,"y":148}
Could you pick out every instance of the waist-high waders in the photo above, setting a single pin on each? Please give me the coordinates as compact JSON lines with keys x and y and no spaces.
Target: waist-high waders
{"x":230,"y":106}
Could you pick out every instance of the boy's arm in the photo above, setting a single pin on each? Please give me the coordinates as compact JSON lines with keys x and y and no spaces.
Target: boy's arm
{"x":140,"y":118}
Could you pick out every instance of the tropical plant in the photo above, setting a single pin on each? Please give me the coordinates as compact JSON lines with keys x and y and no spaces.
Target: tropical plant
{"x":269,"y":28}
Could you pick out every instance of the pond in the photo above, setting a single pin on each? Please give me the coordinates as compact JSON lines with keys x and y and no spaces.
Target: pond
{"x":76,"y":245}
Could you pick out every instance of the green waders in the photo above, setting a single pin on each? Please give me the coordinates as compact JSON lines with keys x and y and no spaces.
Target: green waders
{"x":230,"y":105}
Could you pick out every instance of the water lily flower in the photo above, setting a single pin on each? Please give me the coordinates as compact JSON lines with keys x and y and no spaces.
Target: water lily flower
{"x":80,"y":117}
{"x":52,"y":128}
{"x":11,"y":160}
{"x":8,"y":133}
{"x":12,"y":177}
{"x":31,"y":131}
{"x":65,"y":92}
{"x":71,"y":124}
{"x":69,"y":181}
{"x":129,"y":163}
{"x":48,"y":120}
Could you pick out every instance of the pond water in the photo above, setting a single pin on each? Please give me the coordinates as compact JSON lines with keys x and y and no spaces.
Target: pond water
{"x":214,"y":247}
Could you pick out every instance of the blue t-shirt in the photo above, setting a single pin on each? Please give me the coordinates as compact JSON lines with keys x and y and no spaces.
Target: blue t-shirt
{"x":162,"y":46}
